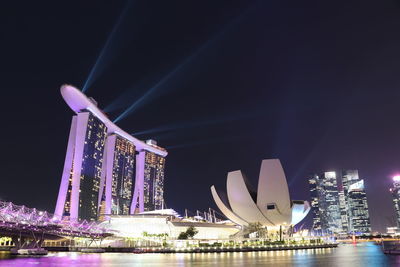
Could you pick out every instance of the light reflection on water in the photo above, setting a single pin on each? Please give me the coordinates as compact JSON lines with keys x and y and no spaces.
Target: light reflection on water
{"x":363,"y":254}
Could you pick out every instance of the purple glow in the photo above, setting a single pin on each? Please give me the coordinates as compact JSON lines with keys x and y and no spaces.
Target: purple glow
{"x":396,"y":178}
{"x":138,"y":194}
{"x":78,"y":101}
{"x":15,"y":219}
{"x":66,"y":171}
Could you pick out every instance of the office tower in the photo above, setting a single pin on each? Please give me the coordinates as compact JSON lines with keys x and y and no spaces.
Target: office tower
{"x":356,"y":200}
{"x":395,"y":190}
{"x":314,"y":189}
{"x":325,"y":193}
{"x":100,"y":176}
{"x":343,"y":212}
{"x":341,"y":202}
{"x":329,"y":203}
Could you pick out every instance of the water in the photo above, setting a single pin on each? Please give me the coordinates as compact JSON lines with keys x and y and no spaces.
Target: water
{"x":363,"y":254}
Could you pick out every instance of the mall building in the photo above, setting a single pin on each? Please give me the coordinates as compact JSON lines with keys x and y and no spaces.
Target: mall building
{"x":154,"y":224}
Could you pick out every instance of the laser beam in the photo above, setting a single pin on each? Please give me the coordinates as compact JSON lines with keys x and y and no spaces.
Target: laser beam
{"x":144,"y":98}
{"x":205,"y":142}
{"x":193,"y":124}
{"x":124,"y":99}
{"x":151,"y":92}
{"x":104,"y":55}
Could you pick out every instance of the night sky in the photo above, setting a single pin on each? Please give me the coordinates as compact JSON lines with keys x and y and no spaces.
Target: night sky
{"x":316,"y":85}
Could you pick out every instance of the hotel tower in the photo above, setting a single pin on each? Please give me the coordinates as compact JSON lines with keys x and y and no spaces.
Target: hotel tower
{"x":106,"y":170}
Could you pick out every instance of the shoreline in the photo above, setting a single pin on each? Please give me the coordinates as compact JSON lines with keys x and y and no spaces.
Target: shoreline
{"x":196,"y":250}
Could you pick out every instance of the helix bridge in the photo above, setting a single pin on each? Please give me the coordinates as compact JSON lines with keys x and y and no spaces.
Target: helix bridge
{"x":29,"y":227}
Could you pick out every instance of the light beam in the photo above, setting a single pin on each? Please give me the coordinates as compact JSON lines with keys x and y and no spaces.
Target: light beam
{"x":150,"y":93}
{"x":193,"y":124}
{"x":204,"y":142}
{"x":104,"y":55}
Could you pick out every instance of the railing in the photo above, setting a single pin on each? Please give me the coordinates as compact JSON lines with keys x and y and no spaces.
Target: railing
{"x":16,"y":218}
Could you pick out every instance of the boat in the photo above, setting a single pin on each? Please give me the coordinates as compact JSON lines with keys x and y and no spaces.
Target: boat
{"x":92,"y":250}
{"x":137,"y":251}
{"x":28,"y":251}
{"x":391,"y":247}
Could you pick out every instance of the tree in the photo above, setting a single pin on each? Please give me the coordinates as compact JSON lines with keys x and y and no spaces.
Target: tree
{"x":183,"y":236}
{"x":189,"y":233}
{"x":257,"y":228}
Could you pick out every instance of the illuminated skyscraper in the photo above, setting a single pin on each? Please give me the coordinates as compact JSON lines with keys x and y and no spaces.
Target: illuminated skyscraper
{"x":100,"y":176}
{"x":395,"y":190}
{"x":343,"y":210}
{"x":325,"y":202}
{"x":356,"y":200}
{"x":153,"y":181}
{"x":329,"y":203}
{"x":151,"y":194}
{"x":314,"y":189}
{"x":120,"y":175}
{"x":82,"y":168}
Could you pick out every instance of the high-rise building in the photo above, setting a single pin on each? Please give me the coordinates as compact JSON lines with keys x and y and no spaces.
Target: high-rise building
{"x":82,"y":168}
{"x":356,"y":200}
{"x":154,"y":181}
{"x":324,"y":192}
{"x":150,"y":195}
{"x":340,"y":203}
{"x":105,"y":167}
{"x":358,"y":214}
{"x":329,"y":202}
{"x":395,"y":190}
{"x":314,"y":190}
{"x":343,"y":212}
{"x":120,"y":176}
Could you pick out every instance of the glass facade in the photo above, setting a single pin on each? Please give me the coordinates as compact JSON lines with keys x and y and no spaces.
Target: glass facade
{"x":122,"y":176}
{"x":67,"y":205}
{"x":356,"y":200}
{"x":359,"y":222}
{"x":337,"y":210}
{"x":96,"y":133}
{"x":314,"y":189}
{"x":329,"y":206}
{"x":343,"y":212}
{"x":102,"y":165}
{"x":327,"y":199}
{"x":153,"y":190}
{"x":348,"y":177}
{"x":395,"y":190}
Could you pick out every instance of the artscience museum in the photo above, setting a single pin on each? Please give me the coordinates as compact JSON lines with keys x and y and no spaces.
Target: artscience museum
{"x":270,"y":206}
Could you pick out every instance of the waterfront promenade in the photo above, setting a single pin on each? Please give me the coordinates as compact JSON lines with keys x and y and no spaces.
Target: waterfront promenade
{"x":354,"y":255}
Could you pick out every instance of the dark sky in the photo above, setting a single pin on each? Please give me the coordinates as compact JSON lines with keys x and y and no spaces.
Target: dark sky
{"x":314,"y":84}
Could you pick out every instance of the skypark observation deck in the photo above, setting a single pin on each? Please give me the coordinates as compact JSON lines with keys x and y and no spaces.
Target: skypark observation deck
{"x":106,"y":170}
{"x":79,"y":102}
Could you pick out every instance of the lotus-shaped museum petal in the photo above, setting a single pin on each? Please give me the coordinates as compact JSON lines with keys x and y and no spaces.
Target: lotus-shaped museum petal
{"x":270,"y":205}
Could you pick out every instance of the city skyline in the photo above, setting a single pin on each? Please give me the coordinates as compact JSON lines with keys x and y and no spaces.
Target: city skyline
{"x":314,"y":85}
{"x":339,"y":203}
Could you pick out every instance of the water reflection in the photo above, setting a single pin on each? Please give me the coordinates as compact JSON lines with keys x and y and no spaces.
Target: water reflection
{"x":363,"y":254}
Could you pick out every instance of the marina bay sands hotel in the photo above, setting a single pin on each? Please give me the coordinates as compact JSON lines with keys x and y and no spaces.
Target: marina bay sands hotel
{"x":106,"y":170}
